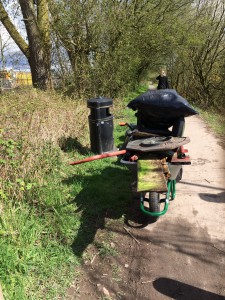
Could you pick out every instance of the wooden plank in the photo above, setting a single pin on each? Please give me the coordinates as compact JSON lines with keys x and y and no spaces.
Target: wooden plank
{"x":150,"y":176}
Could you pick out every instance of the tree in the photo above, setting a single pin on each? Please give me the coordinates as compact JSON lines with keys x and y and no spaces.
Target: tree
{"x":206,"y":59}
{"x":38,"y":48}
{"x":112,"y":44}
{"x":198,"y":67}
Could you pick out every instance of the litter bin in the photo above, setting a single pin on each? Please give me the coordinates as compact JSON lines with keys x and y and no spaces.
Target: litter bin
{"x":100,"y":125}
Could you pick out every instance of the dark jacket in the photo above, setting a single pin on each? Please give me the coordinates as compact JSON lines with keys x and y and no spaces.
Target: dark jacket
{"x":163,"y":82}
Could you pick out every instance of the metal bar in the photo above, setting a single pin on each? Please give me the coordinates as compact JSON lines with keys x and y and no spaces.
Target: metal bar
{"x":173,"y":189}
{"x":99,"y":156}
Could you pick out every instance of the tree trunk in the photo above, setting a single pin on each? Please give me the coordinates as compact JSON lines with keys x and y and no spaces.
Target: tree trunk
{"x":39,"y":44}
{"x":38,"y":52}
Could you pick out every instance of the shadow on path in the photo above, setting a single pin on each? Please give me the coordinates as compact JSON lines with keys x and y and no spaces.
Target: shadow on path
{"x":216,"y":198}
{"x":179,"y":290}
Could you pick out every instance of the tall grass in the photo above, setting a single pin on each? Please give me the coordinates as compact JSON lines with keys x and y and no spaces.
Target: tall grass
{"x":50,"y":211}
{"x":216,"y":121}
{"x":35,"y":261}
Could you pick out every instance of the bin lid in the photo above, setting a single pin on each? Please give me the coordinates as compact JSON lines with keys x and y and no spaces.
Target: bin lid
{"x":99,"y":102}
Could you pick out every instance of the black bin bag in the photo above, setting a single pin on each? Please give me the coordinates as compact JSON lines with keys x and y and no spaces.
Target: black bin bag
{"x":160,"y":109}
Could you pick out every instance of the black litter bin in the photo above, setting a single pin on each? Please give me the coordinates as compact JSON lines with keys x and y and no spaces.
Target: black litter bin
{"x":100,"y":125}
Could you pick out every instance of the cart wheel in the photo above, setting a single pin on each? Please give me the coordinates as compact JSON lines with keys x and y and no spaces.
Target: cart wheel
{"x":154,"y":202}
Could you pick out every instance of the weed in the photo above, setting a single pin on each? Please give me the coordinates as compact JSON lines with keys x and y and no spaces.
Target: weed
{"x":105,"y":249}
{"x":116,"y":271}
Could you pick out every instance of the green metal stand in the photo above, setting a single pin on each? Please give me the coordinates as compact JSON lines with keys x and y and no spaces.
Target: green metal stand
{"x":171,"y":185}
{"x":171,"y":193}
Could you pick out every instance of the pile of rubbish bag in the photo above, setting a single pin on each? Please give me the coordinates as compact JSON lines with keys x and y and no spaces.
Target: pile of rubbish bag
{"x":160,"y":108}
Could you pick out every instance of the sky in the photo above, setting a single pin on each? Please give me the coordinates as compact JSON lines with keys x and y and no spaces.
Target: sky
{"x":10,"y":55}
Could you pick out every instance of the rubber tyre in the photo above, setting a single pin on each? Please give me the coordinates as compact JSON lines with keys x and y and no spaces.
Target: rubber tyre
{"x":154,"y":202}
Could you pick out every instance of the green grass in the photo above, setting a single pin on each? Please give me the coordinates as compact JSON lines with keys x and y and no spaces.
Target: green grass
{"x":124,"y":114}
{"x":44,"y":237}
{"x":141,"y":89}
{"x":215,"y":120}
{"x":36,"y":260}
{"x":50,"y":211}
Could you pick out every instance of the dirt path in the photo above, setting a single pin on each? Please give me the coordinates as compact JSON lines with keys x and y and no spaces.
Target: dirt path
{"x":182,"y":255}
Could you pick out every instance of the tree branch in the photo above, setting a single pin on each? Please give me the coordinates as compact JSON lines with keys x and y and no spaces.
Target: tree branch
{"x":10,"y":27}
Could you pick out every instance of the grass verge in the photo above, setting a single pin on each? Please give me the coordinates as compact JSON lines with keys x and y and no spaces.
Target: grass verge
{"x":50,"y":211}
{"x":36,"y":260}
{"x":216,"y":121}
